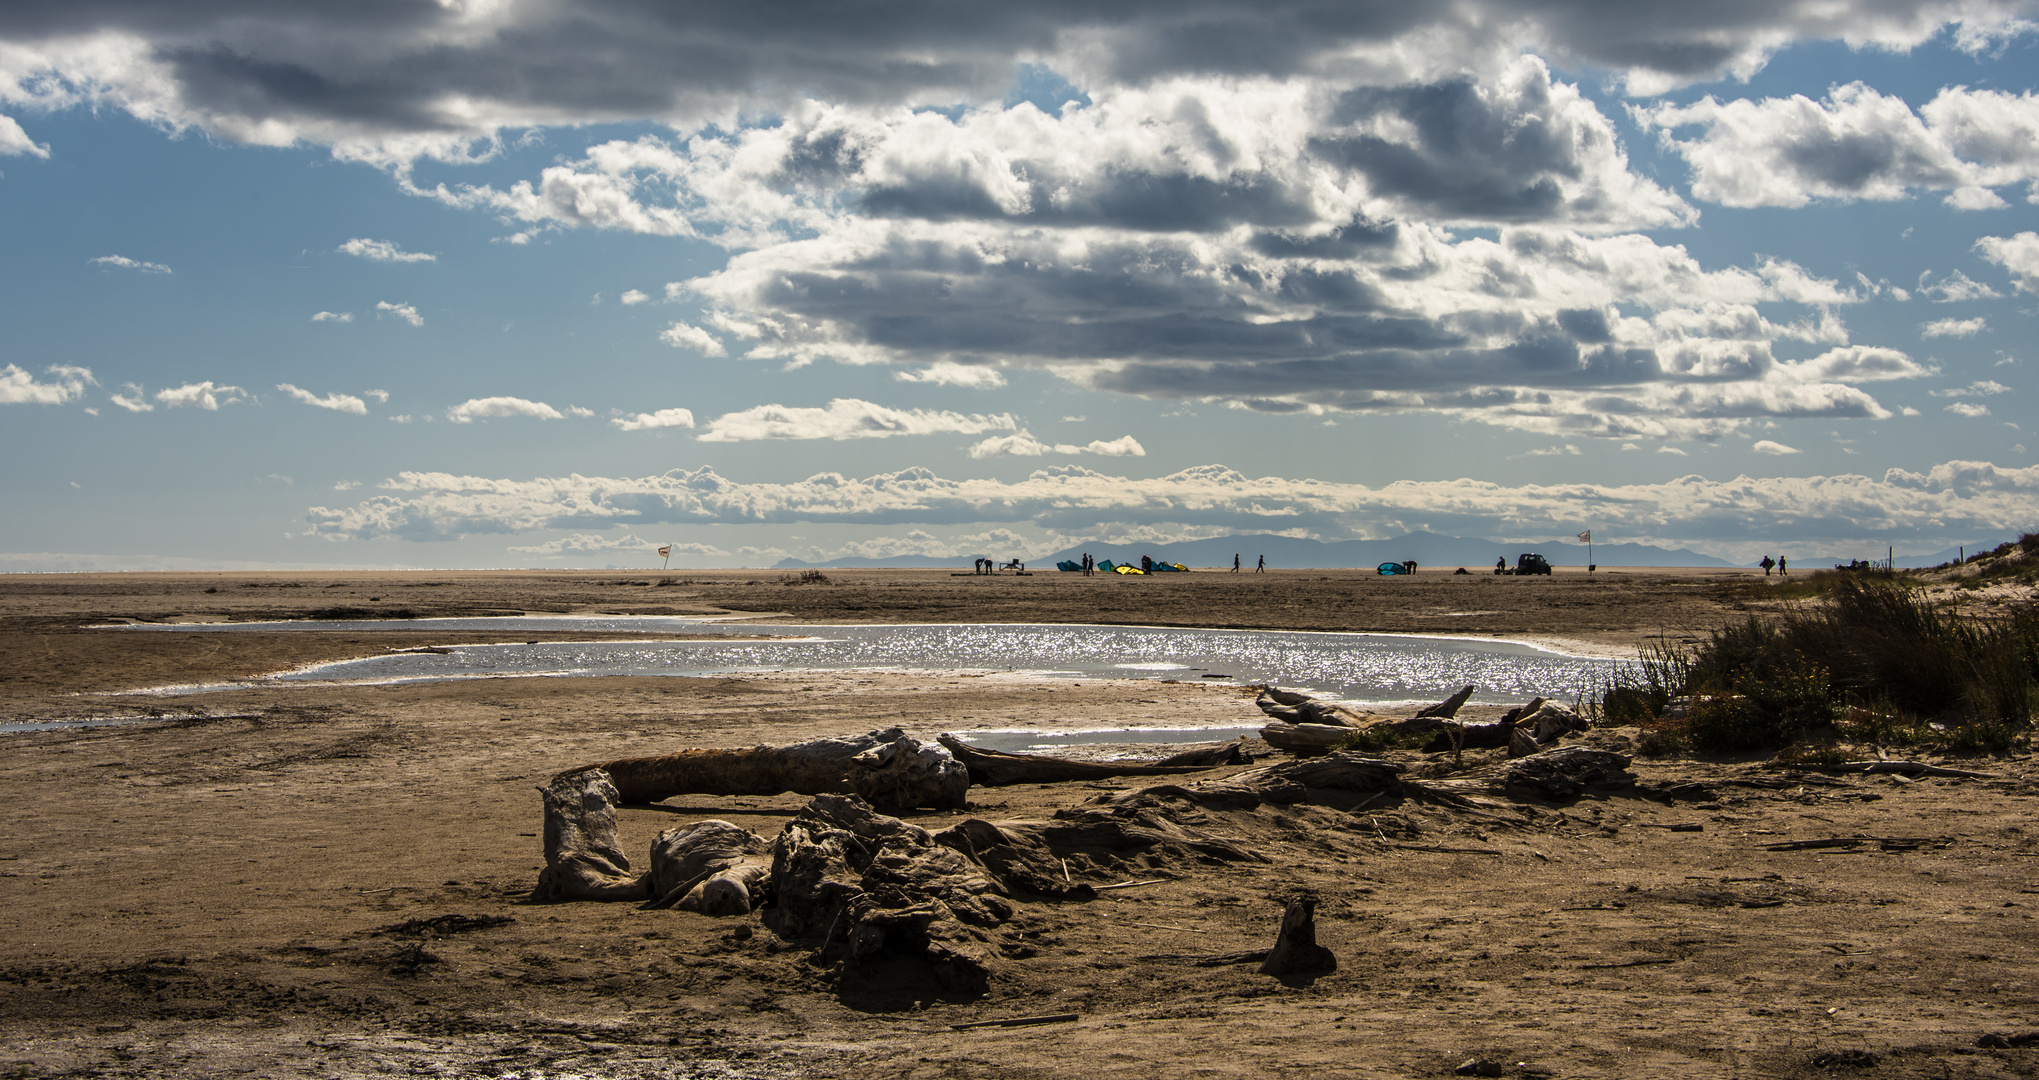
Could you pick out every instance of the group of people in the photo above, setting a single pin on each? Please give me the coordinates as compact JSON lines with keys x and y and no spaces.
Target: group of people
{"x":989,"y":566}
{"x":1258,"y":568}
{"x":1778,"y":562}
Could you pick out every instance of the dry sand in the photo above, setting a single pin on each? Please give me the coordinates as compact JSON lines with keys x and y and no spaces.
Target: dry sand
{"x":215,"y":892}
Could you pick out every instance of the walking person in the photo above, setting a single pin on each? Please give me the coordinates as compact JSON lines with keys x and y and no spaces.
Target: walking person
{"x":1766,"y":564}
{"x":1262,"y":567}
{"x":1235,"y":562}
{"x":1781,"y":566}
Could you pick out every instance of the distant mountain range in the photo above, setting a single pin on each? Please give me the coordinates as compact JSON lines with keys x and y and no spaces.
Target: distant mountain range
{"x":1290,"y":553}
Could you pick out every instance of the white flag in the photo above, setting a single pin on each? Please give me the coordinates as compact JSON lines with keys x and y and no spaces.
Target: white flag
{"x":1586,"y":537}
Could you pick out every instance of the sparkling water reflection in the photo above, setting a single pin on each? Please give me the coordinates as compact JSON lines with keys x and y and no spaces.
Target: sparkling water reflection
{"x":1357,"y":667}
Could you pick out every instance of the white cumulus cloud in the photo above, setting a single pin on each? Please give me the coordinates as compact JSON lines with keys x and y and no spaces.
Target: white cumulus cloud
{"x":847,"y":418}
{"x":206,"y":395}
{"x":19,"y":387}
{"x":1968,"y":409}
{"x":633,"y":297}
{"x":338,"y":402}
{"x":383,"y":251}
{"x":1776,"y":449}
{"x":405,"y":312}
{"x":1956,"y":288}
{"x":1856,"y":144}
{"x":2019,"y":254}
{"x":14,"y":141}
{"x":950,"y":373}
{"x":333,"y":316}
{"x":467,"y":412}
{"x":1953,"y":327}
{"x":663,"y":418}
{"x":684,"y":336}
{"x":124,"y":263}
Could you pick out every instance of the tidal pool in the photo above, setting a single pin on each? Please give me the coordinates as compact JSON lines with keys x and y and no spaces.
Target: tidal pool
{"x":1375,"y":669}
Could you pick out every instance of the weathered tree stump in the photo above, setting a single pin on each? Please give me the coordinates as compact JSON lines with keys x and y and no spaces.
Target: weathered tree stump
{"x":582,"y":859}
{"x":1296,"y":951}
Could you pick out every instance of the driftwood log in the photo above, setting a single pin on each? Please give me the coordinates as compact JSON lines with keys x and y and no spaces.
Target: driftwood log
{"x":995,"y":768}
{"x":1305,"y":739}
{"x":1309,"y":711}
{"x":886,"y":768}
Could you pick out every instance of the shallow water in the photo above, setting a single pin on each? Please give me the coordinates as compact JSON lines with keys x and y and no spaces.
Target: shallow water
{"x":1366,"y":668}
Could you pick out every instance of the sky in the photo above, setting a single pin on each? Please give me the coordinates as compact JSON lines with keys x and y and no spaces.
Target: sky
{"x":487,"y":283}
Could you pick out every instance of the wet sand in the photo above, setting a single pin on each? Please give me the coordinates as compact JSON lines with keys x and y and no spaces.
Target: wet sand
{"x":221,"y":892}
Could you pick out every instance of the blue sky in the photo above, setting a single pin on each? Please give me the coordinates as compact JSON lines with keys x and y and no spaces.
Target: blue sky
{"x":460,"y":284}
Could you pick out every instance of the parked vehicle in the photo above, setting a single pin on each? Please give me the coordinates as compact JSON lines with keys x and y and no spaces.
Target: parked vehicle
{"x":1532,"y":563}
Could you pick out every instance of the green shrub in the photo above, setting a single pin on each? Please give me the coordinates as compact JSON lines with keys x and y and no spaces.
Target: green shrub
{"x":1873,"y":642}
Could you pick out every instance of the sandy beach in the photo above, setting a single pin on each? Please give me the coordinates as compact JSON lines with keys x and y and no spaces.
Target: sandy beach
{"x":244,"y":881}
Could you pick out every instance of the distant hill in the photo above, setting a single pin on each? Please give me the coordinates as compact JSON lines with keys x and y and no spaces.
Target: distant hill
{"x":1290,"y":553}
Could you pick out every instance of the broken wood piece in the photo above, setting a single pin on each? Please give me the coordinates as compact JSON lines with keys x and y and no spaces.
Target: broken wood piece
{"x":1017,"y":1021}
{"x":885,"y":768}
{"x":1886,"y":843}
{"x":996,"y":768}
{"x":1131,"y":884}
{"x":1449,"y":707}
{"x":1631,"y":963}
{"x":1295,"y":947}
{"x":1231,"y":753}
{"x":1177,"y":929}
{"x":1291,"y":698}
{"x":1901,"y":768}
{"x":1441,"y":850}
{"x":1251,"y":956}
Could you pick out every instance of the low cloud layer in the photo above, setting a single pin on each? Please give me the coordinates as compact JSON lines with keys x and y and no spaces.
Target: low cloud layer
{"x":1955,"y":500}
{"x":1023,"y":444}
{"x":847,"y":418}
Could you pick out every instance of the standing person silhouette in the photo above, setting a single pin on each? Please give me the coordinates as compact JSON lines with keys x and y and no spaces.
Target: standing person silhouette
{"x":1766,"y":564}
{"x":1262,"y":567}
{"x":1782,"y":566}
{"x":1235,"y":562}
